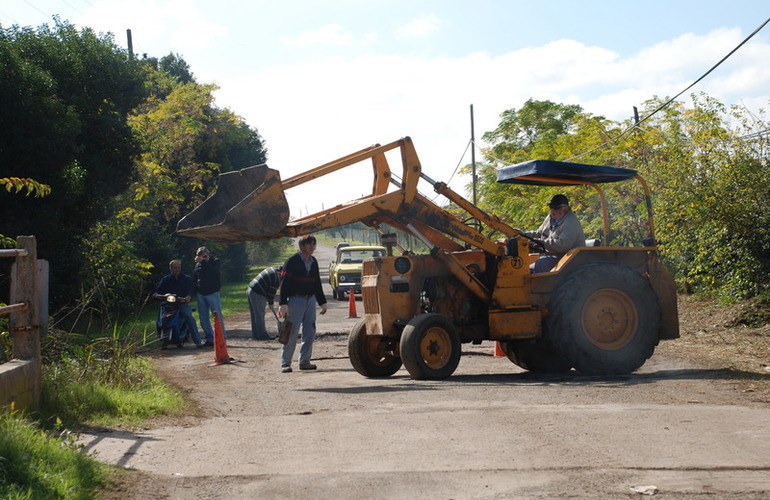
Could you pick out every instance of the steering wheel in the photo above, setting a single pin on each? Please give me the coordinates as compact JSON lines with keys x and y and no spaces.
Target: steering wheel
{"x":534,"y":244}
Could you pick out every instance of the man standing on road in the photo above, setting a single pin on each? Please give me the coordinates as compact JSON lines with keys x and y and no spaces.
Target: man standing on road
{"x":207,"y":285}
{"x":262,"y":290}
{"x":301,"y":291}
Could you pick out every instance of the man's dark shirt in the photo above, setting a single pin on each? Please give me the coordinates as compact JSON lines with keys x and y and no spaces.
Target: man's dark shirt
{"x":298,"y":281}
{"x":207,"y":276}
{"x":181,"y":286}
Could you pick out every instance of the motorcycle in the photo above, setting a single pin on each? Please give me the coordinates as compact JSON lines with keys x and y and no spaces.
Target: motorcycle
{"x":171,"y":328}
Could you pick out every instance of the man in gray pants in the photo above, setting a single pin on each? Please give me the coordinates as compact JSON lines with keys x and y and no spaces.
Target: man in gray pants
{"x":262,"y":290}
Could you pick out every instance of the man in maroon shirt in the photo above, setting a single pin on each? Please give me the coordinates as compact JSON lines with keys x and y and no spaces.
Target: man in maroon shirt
{"x":301,"y":291}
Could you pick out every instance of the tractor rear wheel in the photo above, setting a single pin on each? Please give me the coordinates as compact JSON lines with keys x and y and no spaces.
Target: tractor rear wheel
{"x":535,"y":355}
{"x":372,"y":355}
{"x":604,"y":319}
{"x":430,"y":347}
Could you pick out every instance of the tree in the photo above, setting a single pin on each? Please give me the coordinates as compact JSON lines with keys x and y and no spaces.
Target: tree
{"x":65,"y":94}
{"x":542,"y":130}
{"x":536,"y":125}
{"x":706,"y":165}
{"x":709,"y":168}
{"x":186,"y":142}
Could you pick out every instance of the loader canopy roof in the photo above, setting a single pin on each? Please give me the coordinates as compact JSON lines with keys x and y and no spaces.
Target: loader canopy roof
{"x":559,"y":173}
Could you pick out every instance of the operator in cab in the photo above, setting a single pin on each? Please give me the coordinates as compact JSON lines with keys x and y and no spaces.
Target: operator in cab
{"x":559,"y":233}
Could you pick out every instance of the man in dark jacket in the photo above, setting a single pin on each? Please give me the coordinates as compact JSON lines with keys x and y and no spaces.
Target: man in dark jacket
{"x":181,"y":285}
{"x":301,"y":291}
{"x":207,"y":285}
{"x":262,"y":290}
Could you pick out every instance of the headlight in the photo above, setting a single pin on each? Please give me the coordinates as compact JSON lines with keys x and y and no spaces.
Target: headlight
{"x":402,"y":265}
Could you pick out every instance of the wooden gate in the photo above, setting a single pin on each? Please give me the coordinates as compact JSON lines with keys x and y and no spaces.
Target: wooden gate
{"x":21,"y":378}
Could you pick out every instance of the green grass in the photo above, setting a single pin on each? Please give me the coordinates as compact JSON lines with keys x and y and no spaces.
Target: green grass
{"x":75,"y":395}
{"x":91,"y":381}
{"x":34,"y":464}
{"x":95,"y":383}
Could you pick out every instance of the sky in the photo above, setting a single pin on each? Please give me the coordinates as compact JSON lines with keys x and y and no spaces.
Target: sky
{"x":322,"y":79}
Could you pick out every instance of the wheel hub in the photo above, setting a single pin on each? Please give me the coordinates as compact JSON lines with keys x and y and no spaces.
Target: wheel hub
{"x":609,"y":319}
{"x":436,"y":347}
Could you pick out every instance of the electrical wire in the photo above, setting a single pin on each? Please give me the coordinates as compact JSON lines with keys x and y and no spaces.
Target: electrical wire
{"x":13,"y":21}
{"x":457,"y":167}
{"x":667,"y":103}
{"x":35,"y":7}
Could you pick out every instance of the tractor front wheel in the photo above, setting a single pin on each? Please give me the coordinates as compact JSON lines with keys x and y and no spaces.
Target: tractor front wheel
{"x":430,"y":347}
{"x":372,"y":355}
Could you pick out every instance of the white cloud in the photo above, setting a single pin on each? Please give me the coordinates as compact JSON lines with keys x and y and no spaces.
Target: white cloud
{"x":420,"y":27}
{"x":316,"y":111}
{"x":329,"y":35}
{"x":158,"y":27}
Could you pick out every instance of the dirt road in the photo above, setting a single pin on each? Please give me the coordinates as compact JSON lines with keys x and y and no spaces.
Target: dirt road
{"x":489,"y":431}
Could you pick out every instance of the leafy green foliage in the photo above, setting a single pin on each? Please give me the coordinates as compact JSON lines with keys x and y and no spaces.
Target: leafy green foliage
{"x":65,"y":94}
{"x":706,"y":166}
{"x":186,"y":142}
{"x":101,"y":381}
{"x":270,"y":252}
{"x":113,"y":267}
{"x":32,"y":187}
{"x":17,"y":185}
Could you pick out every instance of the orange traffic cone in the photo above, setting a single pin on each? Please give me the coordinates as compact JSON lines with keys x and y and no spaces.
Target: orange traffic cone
{"x":220,"y":348}
{"x":352,"y":304}
{"x":498,"y":350}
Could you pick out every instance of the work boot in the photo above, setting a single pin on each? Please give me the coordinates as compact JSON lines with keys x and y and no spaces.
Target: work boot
{"x":286,"y":369}
{"x":307,"y":366}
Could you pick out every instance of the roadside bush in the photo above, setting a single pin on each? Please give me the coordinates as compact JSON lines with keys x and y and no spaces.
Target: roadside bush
{"x":266,"y":253}
{"x":101,"y":381}
{"x":37,"y":464}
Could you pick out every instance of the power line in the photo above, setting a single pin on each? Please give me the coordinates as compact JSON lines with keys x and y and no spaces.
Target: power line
{"x":664,"y":105}
{"x":13,"y":21}
{"x":35,"y":7}
{"x":71,"y":7}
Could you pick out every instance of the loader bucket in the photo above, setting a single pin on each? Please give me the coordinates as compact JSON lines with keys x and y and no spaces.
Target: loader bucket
{"x":249,"y":204}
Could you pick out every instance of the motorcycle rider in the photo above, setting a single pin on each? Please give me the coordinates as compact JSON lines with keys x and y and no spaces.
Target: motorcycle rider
{"x":182,"y":286}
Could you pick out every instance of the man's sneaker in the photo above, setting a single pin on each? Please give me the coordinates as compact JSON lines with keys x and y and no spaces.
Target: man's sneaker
{"x":286,"y":369}
{"x":307,"y":366}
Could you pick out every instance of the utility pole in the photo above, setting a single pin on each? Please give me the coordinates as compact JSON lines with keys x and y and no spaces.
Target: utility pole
{"x":130,"y":45}
{"x":473,"y":156}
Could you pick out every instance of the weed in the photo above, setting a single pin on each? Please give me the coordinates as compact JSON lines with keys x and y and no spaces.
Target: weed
{"x":38,"y":464}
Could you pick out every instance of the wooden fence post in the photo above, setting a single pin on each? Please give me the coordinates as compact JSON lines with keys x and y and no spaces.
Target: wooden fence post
{"x":25,"y":324}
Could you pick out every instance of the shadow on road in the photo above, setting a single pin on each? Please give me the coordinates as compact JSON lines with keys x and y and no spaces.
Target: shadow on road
{"x":529,"y":378}
{"x":405,"y":383}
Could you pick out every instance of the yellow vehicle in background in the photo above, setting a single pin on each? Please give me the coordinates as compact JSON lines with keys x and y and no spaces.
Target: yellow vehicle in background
{"x":345,"y":270}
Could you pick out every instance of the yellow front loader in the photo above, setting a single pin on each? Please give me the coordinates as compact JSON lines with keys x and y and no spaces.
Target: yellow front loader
{"x":601,"y":310}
